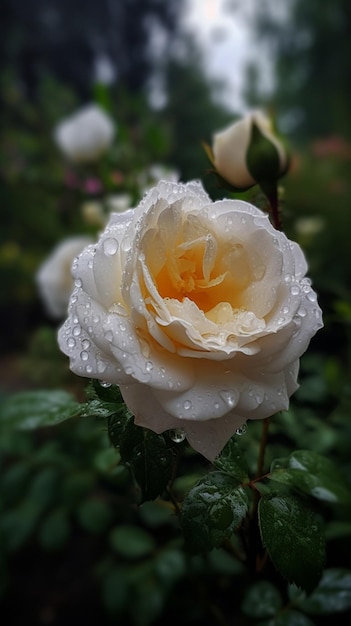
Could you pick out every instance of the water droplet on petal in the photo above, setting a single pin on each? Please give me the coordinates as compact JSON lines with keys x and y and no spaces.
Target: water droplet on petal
{"x":294,"y":290}
{"x":110,"y":246}
{"x":84,"y":355}
{"x":88,"y":369}
{"x":311,"y":296}
{"x":229,"y":396}
{"x":76,"y":331}
{"x":71,"y":342}
{"x":101,"y":366}
{"x":177,"y":435}
{"x":149,"y":366}
{"x":241,"y":430}
{"x":105,"y":384}
{"x":78,"y":282}
{"x":109,"y":336}
{"x":187,"y":405}
{"x":126,"y":244}
{"x":85,"y":344}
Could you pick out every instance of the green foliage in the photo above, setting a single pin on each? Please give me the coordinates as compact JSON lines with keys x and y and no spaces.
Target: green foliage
{"x":314,"y":475}
{"x":292,"y":534}
{"x":33,"y":409}
{"x":213,"y":509}
{"x":332,"y":595}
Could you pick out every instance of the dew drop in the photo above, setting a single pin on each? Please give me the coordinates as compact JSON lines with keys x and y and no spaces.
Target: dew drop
{"x":84,"y":355}
{"x":105,"y":384}
{"x":149,"y":366}
{"x":241,"y":430}
{"x":229,"y":396}
{"x":71,"y":342}
{"x":126,"y":244}
{"x":177,"y":435}
{"x":302,"y":312}
{"x":110,"y":246}
{"x":90,"y":264}
{"x":78,"y":282}
{"x":216,"y":405}
{"x":76,"y":331}
{"x":187,"y":405}
{"x":259,"y":272}
{"x":88,"y":369}
{"x":101,"y":366}
{"x":294,"y":290}
{"x":109,"y":336}
{"x":85,"y":344}
{"x":311,"y":296}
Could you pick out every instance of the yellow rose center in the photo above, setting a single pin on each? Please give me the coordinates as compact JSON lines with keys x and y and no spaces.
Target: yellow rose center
{"x":205,"y":272}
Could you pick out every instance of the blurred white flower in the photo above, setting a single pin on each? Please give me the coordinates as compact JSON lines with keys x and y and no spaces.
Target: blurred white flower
{"x":309,"y":226}
{"x":149,"y":177}
{"x":93,"y":213}
{"x":54,"y":278}
{"x":199,"y":310}
{"x":119,"y":202}
{"x":86,"y":134}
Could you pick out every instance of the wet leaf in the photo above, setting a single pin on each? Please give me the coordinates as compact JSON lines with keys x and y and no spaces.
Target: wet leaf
{"x":213,"y":509}
{"x":315,"y":475}
{"x":262,"y":600}
{"x":293,"y":537}
{"x":332,"y":595}
{"x":232,"y":461}
{"x":28,"y":410}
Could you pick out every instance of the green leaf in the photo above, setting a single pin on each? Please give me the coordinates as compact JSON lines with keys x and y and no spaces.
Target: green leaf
{"x":292,"y":535}
{"x":232,"y":461}
{"x":131,"y":542}
{"x":28,"y":410}
{"x":152,"y":464}
{"x":94,"y":515}
{"x":213,"y":509}
{"x":315,"y":475}
{"x":332,"y":595}
{"x":123,"y":433}
{"x":262,"y":600}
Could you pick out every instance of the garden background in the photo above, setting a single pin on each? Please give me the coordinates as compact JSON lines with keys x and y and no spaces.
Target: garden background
{"x":73,"y":543}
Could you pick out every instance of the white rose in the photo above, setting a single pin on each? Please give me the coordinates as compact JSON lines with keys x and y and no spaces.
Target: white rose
{"x":54,"y":276}
{"x":84,"y":136}
{"x":230,"y":147}
{"x":198,"y":310}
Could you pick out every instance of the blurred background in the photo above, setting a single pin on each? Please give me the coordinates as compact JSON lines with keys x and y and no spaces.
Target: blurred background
{"x":169,"y":73}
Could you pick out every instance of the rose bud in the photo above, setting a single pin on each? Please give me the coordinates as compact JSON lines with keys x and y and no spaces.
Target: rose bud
{"x":248,"y":152}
